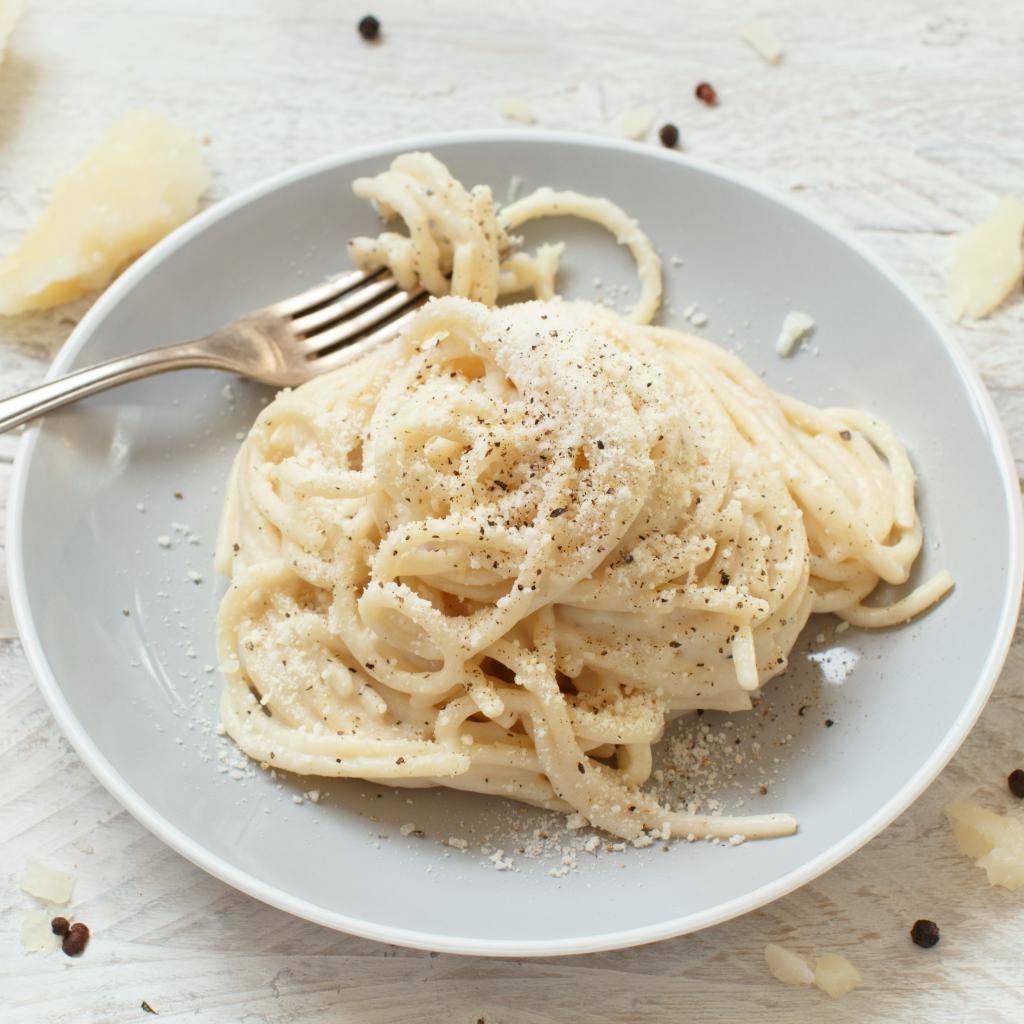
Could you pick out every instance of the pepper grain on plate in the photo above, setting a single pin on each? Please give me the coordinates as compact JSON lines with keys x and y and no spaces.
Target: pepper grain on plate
{"x":369,"y":27}
{"x":705,"y":92}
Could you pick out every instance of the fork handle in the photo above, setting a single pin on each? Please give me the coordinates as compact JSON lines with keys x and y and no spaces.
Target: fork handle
{"x":53,"y":394}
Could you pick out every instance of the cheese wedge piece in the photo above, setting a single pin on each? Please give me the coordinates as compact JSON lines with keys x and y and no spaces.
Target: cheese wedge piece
{"x":141,"y":182}
{"x":10,"y":11}
{"x":987,"y":262}
{"x":979,"y":830}
{"x":45,"y":883}
{"x":787,"y":966}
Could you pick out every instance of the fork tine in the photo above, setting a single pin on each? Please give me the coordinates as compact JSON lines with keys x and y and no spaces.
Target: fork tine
{"x":349,"y":302}
{"x":354,"y":326}
{"x":343,"y":356}
{"x":322,"y":293}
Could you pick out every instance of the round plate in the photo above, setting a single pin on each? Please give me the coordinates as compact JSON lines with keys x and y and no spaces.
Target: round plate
{"x":115,"y":502}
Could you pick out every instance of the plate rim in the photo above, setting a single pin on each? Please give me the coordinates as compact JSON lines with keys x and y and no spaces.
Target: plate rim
{"x":245,"y":882}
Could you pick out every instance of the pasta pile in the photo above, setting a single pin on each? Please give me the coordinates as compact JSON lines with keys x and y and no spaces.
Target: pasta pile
{"x":500,"y":553}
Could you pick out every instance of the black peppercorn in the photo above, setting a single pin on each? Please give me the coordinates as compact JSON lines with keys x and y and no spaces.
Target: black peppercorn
{"x":369,"y":27}
{"x":705,"y":92}
{"x":925,"y":933}
{"x":76,"y":939}
{"x":60,"y":926}
{"x":1015,"y":780}
{"x":669,"y":135}
{"x":829,"y":723}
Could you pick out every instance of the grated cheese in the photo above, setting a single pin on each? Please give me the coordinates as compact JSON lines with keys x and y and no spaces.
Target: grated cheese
{"x":786,"y":966}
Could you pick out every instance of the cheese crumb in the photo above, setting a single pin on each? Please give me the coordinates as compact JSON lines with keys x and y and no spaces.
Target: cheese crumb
{"x":138,"y":184}
{"x":46,"y":884}
{"x":987,"y":262}
{"x":835,"y":975}
{"x":457,"y":843}
{"x":514,"y":109}
{"x":786,"y":966}
{"x":758,"y":34}
{"x":635,"y":122}
{"x":795,"y":328}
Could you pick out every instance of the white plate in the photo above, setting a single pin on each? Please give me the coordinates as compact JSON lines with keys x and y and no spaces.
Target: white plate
{"x":133,"y":696}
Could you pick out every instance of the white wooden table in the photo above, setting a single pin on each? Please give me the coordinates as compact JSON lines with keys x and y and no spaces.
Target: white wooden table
{"x":900,"y":121}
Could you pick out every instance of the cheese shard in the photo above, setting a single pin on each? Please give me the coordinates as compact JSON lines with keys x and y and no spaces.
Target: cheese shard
{"x":36,"y":934}
{"x":635,"y":122}
{"x":786,"y":966}
{"x":46,"y":884}
{"x":10,"y":11}
{"x":141,"y":182}
{"x":987,"y":262}
{"x":795,"y":328}
{"x":514,"y":109}
{"x":835,"y":975}
{"x":994,"y":840}
{"x":758,"y":34}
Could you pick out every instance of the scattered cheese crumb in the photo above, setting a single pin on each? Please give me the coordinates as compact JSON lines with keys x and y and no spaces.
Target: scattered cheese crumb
{"x":457,"y":843}
{"x":835,"y":975}
{"x":46,"y":884}
{"x":795,"y":328}
{"x":10,"y":11}
{"x":699,"y":319}
{"x":987,"y":262}
{"x":758,"y":34}
{"x":314,"y":796}
{"x":635,"y":122}
{"x":786,"y":966}
{"x":194,"y":577}
{"x":163,"y":540}
{"x":141,"y":182}
{"x":514,"y":109}
{"x":407,"y":829}
{"x":36,"y":933}
{"x":995,"y":841}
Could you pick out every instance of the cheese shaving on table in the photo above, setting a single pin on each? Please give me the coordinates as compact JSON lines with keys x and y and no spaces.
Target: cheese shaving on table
{"x":635,"y":122}
{"x":987,"y":262}
{"x":760,"y":35}
{"x":514,"y":109}
{"x":142,"y":181}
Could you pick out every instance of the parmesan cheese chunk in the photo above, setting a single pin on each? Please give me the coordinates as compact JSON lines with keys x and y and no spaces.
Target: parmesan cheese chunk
{"x":514,"y":109}
{"x":141,"y":182}
{"x":10,"y":11}
{"x":762,"y":38}
{"x":46,"y":884}
{"x":786,"y":966}
{"x":835,"y":975}
{"x":36,"y":933}
{"x":987,"y":262}
{"x":795,"y":328}
{"x":995,"y":841}
{"x":635,"y":122}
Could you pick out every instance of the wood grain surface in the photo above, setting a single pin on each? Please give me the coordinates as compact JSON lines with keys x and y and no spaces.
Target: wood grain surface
{"x":899,"y":120}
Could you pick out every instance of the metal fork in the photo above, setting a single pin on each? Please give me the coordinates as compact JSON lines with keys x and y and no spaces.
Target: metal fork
{"x":283,"y":345}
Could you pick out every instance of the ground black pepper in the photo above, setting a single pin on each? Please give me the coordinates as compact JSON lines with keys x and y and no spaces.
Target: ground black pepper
{"x":845,"y":435}
{"x":705,"y":92}
{"x":60,"y":926}
{"x":829,"y":723}
{"x":669,"y":136}
{"x":148,"y":1008}
{"x":369,"y":27}
{"x":925,"y":933}
{"x":556,"y":512}
{"x":1015,"y":780}
{"x":76,"y":939}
